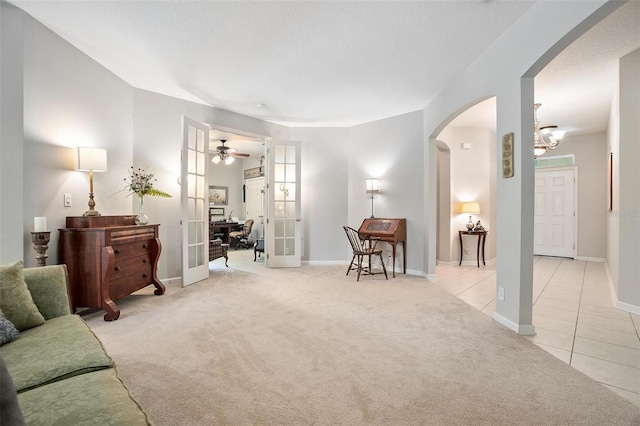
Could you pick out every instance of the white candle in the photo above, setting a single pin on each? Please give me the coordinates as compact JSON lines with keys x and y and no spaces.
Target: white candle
{"x":39,"y":224}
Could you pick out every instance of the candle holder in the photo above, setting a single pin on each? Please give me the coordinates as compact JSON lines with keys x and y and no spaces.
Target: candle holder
{"x":40,"y":242}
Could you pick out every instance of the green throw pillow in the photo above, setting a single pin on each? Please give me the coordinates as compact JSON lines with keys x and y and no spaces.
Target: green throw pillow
{"x":15,"y":300}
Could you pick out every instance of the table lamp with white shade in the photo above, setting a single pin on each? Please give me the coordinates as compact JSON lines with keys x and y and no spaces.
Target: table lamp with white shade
{"x":470,"y":209}
{"x":90,"y":160}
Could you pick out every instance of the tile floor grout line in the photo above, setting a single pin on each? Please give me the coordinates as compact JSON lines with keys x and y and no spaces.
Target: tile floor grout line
{"x":575,"y":330}
{"x":634,"y":325}
{"x":548,"y":281}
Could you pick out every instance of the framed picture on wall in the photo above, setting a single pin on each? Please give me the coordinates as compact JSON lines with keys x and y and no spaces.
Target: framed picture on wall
{"x":218,"y":195}
{"x":216,"y":211}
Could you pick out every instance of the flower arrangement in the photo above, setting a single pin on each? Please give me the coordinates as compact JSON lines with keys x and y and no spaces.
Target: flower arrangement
{"x":140,"y":183}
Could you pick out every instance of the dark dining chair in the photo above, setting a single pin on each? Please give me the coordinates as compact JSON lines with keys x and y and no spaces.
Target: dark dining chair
{"x":363,"y":247}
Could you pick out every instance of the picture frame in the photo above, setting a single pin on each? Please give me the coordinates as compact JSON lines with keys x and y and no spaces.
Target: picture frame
{"x":218,"y":195}
{"x":216,"y":211}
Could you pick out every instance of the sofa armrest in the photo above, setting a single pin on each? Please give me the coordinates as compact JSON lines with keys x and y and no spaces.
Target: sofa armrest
{"x":49,"y":288}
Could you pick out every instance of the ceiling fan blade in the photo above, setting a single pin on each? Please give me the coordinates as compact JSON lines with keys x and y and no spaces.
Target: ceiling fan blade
{"x":239,"y":154}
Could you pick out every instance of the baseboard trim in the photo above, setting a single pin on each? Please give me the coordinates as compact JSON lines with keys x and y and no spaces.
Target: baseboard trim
{"x":174,"y":280}
{"x":590,"y":259}
{"x":614,"y":297}
{"x":524,"y":330}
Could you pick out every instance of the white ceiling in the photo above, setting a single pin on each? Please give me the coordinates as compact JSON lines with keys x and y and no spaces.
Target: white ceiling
{"x":576,"y":88}
{"x":330,"y":63}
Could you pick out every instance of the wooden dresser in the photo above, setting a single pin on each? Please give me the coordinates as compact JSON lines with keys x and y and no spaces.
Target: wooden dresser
{"x":109,"y":257}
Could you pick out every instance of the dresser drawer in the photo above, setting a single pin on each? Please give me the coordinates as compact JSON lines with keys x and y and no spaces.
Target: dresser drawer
{"x":123,"y":251}
{"x":123,"y":285}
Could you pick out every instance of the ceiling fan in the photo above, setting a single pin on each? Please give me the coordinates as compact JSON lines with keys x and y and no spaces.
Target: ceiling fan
{"x":226,"y":154}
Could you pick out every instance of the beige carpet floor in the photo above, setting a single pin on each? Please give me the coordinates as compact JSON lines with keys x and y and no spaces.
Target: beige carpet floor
{"x":310,"y":346}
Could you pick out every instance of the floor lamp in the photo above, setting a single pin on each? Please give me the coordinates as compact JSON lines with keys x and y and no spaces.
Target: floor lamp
{"x":372,"y":190}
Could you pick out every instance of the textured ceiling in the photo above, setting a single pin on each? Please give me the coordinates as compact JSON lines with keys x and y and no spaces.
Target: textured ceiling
{"x":311,"y":63}
{"x":330,"y":63}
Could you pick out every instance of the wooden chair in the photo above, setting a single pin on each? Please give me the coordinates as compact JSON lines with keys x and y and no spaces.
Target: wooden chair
{"x":360,"y":250}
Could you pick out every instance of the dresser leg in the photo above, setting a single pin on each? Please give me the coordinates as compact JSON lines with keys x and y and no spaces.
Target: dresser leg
{"x":160,"y":288}
{"x":112,"y":310}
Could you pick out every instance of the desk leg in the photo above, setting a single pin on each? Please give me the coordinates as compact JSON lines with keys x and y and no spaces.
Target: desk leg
{"x":394,"y":260}
{"x":404,"y":257}
{"x":484,"y":240}
{"x":460,"y":237}
{"x":478,"y":250}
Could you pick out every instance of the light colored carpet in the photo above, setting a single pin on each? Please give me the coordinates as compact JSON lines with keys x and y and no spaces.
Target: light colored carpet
{"x":311,"y":346}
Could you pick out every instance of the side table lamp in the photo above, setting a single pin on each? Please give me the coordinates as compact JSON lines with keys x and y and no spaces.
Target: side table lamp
{"x":470,"y":209}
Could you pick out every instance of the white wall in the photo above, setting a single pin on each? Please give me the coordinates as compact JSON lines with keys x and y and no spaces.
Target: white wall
{"x":11,"y":134}
{"x":472,"y":179}
{"x":325,"y":202}
{"x":391,"y":150}
{"x":70,"y":100}
{"x":628,"y":176}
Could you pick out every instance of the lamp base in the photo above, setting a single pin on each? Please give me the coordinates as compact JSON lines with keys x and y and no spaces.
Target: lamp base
{"x":91,"y":212}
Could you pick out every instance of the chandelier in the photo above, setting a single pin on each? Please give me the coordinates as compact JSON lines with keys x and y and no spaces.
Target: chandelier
{"x":544,"y":138}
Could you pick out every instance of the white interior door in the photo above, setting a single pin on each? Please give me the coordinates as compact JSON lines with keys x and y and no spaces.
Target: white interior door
{"x":255,"y":197}
{"x":283,"y":238}
{"x":555,"y":207}
{"x":194,"y":201}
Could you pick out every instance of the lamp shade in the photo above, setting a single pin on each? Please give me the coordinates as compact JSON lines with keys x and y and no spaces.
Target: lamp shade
{"x":471,"y":208}
{"x":90,"y":159}
{"x":372,"y":185}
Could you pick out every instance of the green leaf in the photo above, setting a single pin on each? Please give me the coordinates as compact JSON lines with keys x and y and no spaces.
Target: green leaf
{"x":157,"y":193}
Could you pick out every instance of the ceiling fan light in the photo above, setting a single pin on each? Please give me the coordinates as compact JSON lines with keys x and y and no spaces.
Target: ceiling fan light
{"x":539,"y":150}
{"x":216,"y":159}
{"x":229,"y":160}
{"x":558,"y":134}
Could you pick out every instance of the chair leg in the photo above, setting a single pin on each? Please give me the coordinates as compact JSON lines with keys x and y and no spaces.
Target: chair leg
{"x":359,"y":266}
{"x":383,"y":268}
{"x":351,"y":264}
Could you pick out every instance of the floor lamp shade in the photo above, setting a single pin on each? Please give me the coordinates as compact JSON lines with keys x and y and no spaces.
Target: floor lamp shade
{"x":90,"y":160}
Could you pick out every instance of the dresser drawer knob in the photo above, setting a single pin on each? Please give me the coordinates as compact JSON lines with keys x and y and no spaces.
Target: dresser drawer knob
{"x":144,"y":275}
{"x":117,"y":268}
{"x":144,"y":246}
{"x":144,"y":260}
{"x":116,"y":251}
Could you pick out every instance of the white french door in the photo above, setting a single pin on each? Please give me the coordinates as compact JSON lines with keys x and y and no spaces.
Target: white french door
{"x":194,"y":201}
{"x":555,"y":207}
{"x":283,"y":234}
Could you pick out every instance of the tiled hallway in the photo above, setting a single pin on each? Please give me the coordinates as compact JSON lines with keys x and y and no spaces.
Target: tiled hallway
{"x":573,"y":315}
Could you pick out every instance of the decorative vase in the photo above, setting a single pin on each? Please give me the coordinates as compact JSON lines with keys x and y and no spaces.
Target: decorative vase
{"x":142,"y":218}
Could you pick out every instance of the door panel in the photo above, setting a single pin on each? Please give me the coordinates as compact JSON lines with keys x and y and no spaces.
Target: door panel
{"x":283,"y":234}
{"x":193,"y":199}
{"x":554,"y":218}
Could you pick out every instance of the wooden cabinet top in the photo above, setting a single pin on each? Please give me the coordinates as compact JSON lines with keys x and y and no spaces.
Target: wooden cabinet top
{"x":99,"y":221}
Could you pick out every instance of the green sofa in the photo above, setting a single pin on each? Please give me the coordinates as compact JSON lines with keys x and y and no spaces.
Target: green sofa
{"x":60,"y":371}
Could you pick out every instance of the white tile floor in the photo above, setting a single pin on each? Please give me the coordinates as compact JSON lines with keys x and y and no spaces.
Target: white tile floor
{"x":573,"y":315}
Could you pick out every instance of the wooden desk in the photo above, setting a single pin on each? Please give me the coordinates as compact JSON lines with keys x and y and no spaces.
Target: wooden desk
{"x":392,"y":231}
{"x":223,"y":228}
{"x":482,"y":237}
